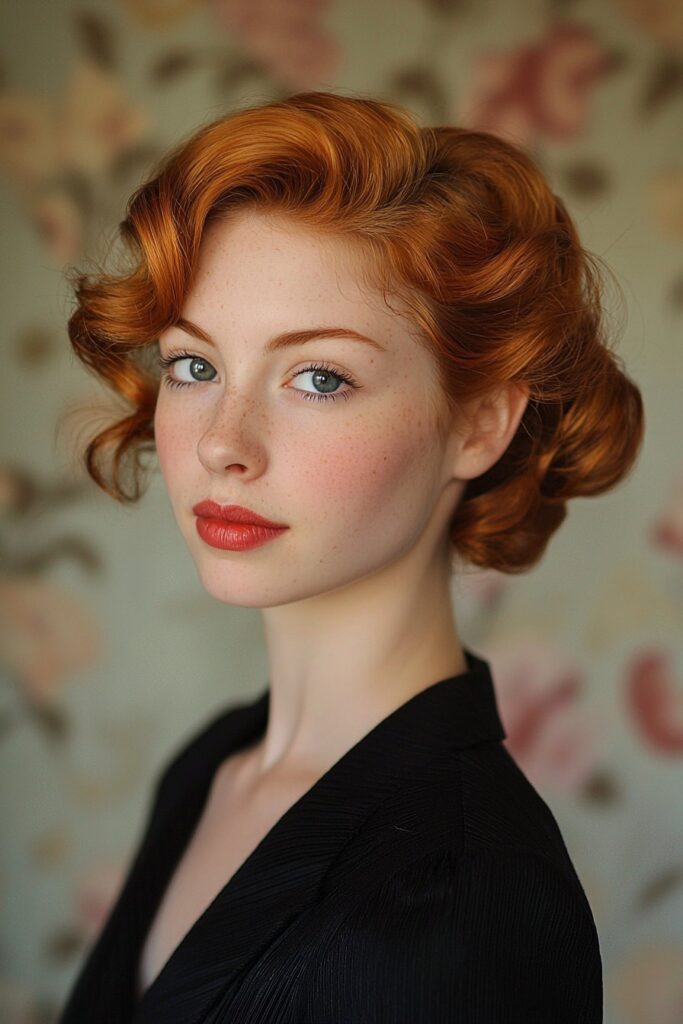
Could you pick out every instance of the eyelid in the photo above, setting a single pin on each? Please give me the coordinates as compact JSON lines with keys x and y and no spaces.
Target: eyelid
{"x":175,"y":355}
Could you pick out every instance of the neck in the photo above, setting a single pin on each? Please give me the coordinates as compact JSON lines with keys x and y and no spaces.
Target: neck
{"x":341,"y":662}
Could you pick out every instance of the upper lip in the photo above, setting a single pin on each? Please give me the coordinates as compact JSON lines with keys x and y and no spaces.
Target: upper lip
{"x":233,"y":513}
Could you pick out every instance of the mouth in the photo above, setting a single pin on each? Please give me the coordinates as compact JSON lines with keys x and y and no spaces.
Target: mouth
{"x":235,"y":514}
{"x":234,"y":528}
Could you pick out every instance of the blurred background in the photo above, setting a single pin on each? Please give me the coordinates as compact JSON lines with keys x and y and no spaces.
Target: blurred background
{"x":111,"y":653}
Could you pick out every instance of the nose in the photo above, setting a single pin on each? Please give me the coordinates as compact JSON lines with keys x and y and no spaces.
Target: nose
{"x":233,"y":438}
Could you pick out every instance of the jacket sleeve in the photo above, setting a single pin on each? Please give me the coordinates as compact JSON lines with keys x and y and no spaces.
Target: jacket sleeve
{"x":493,"y":937}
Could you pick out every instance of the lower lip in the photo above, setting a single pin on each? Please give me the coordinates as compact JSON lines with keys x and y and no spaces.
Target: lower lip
{"x":220,"y":533}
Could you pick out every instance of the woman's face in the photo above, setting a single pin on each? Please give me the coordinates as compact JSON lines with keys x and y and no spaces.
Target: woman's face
{"x":355,"y":477}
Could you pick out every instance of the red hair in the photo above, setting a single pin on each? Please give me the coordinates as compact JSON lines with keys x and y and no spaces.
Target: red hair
{"x":461,"y":224}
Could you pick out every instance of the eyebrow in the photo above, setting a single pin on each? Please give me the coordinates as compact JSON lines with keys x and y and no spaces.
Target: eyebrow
{"x":287,"y":338}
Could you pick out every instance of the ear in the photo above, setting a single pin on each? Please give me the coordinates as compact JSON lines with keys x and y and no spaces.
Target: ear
{"x":486,"y":428}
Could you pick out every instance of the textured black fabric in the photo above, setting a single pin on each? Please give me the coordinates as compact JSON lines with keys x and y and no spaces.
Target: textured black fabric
{"x":421,"y":880}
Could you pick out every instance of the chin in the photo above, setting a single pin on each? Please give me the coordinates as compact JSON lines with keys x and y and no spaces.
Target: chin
{"x":242,"y":586}
{"x":265,"y":586}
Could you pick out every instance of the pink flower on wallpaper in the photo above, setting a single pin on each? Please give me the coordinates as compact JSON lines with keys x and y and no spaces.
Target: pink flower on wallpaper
{"x":667,"y":531}
{"x":28,"y":139}
{"x":46,"y":634}
{"x":96,"y":894}
{"x":647,"y":987}
{"x":83,"y":130}
{"x":654,"y":698}
{"x":542,"y":89}
{"x":283,"y":36}
{"x":553,"y":736}
{"x":95,"y":120}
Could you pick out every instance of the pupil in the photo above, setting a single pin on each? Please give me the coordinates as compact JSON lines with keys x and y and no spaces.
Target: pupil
{"x":324,"y":374}
{"x":198,"y":362}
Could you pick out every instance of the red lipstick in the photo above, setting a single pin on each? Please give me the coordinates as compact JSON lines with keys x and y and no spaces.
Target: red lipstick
{"x":233,"y":527}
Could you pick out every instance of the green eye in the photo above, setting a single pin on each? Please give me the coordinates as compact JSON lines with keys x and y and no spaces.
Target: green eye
{"x":323,"y":370}
{"x":175,"y":357}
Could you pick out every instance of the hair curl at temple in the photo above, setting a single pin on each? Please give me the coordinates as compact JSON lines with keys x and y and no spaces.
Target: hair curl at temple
{"x":460,"y":223}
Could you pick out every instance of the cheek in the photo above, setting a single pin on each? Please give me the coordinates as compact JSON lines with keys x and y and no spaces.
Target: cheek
{"x":369,"y":471}
{"x":173,"y":444}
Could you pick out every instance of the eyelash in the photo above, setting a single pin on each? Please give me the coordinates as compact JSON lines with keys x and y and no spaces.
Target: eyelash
{"x":173,"y":357}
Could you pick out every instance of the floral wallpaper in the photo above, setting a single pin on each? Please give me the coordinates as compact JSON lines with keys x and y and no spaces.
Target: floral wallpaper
{"x":110,"y":651}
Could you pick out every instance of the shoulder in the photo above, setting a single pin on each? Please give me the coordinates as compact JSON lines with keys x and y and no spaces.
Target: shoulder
{"x":501,"y":807}
{"x":496,"y":934}
{"x":474,"y":804}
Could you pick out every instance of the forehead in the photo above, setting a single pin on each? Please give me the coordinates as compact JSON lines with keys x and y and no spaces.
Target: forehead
{"x":266,"y":258}
{"x":269,"y":237}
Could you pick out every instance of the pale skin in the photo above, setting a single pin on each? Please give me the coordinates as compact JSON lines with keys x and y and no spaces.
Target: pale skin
{"x":355,"y":594}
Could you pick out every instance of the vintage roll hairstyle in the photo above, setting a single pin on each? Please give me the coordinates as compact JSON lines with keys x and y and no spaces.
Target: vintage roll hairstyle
{"x":460,"y":224}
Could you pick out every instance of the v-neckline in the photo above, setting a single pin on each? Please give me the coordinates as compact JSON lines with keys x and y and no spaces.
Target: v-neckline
{"x":363,"y":775}
{"x":253,"y":729}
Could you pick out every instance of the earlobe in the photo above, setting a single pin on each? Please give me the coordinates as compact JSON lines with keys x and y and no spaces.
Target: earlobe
{"x":491,"y":425}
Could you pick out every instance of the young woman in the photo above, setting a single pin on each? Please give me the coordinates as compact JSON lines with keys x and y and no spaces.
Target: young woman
{"x":382,"y":357}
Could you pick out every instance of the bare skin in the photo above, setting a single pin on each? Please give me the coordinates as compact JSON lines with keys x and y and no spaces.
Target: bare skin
{"x":355,"y":594}
{"x":238,"y":814}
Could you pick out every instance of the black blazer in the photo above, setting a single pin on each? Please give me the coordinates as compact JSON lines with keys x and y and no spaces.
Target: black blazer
{"x":421,"y":880}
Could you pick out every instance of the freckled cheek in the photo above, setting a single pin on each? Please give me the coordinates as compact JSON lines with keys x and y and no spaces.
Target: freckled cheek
{"x":175,"y":449}
{"x":359,"y":473}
